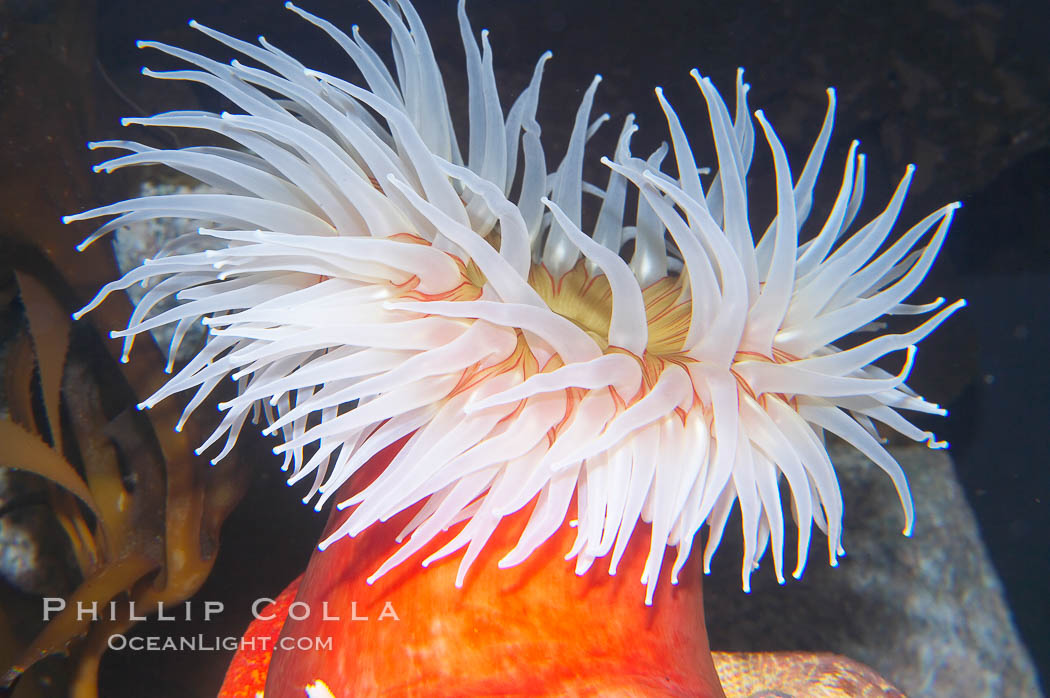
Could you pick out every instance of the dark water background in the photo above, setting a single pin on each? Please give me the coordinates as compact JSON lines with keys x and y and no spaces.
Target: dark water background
{"x":962,"y":89}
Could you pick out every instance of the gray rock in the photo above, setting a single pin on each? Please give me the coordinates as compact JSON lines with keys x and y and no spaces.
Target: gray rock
{"x":162,"y":237}
{"x":35,"y":556}
{"x":927,"y":612}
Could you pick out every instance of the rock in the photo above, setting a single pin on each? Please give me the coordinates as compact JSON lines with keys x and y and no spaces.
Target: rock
{"x":926,"y":612}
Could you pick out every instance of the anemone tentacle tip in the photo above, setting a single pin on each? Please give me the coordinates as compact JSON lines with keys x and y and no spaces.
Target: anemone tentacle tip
{"x":318,"y":689}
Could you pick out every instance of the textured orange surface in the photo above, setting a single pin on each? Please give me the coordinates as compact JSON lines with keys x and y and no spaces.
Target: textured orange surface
{"x":533,"y":630}
{"x":246,"y":676}
{"x":799,"y":675}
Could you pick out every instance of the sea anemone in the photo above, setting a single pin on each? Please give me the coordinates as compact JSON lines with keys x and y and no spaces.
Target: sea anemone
{"x":367,"y":284}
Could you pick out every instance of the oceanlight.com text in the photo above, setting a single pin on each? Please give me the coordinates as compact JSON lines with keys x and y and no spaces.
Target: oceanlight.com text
{"x":216,"y":643}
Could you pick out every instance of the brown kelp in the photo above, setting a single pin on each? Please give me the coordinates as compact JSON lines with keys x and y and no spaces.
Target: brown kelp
{"x":142,"y":514}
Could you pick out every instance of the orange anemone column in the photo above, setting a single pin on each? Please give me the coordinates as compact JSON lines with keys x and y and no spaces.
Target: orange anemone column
{"x":537,"y":629}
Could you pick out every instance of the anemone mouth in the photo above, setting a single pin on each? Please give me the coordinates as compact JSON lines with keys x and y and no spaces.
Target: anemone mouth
{"x":367,"y":282}
{"x":587,"y":301}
